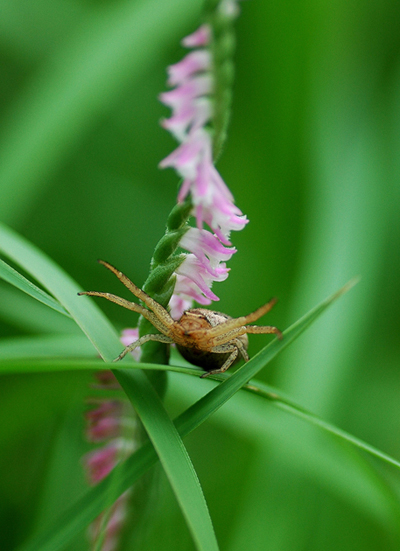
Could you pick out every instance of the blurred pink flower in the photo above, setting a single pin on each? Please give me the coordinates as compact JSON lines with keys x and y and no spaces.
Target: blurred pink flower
{"x":201,"y":37}
{"x":100,"y":462}
{"x":112,"y":423}
{"x":116,"y":517}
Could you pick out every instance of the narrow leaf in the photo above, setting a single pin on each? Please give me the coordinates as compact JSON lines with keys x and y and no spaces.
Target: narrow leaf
{"x":12,"y":276}
{"x":173,"y":456}
{"x":85,"y":312}
{"x":46,"y":365}
{"x":45,"y":346}
{"x":24,"y":312}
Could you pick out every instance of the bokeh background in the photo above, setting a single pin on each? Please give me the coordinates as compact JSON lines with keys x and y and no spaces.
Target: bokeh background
{"x":312,"y":158}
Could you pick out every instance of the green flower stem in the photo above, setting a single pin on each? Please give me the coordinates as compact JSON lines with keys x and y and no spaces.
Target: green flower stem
{"x":222,"y":48}
{"x":160,"y":283}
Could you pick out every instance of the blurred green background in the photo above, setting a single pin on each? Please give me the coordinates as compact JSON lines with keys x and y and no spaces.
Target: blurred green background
{"x":312,"y":158}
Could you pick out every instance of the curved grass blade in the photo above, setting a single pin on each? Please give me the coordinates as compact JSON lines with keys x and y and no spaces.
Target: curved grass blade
{"x":285,"y":403}
{"x":212,"y":401}
{"x":31,"y":316}
{"x":47,"y":365}
{"x":89,"y":317}
{"x":179,"y":468}
{"x":258,"y":388}
{"x":85,"y":313}
{"x":12,"y":276}
{"x":90,"y":506}
{"x":45,"y":346}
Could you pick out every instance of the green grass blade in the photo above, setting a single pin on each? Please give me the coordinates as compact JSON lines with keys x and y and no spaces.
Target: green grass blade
{"x":44,"y":346}
{"x":89,"y":506}
{"x":85,"y":312}
{"x":282,"y":402}
{"x":49,"y":365}
{"x":31,"y":316}
{"x":173,"y":456}
{"x":258,"y":388}
{"x":89,"y":317}
{"x":207,"y":405}
{"x":12,"y":276}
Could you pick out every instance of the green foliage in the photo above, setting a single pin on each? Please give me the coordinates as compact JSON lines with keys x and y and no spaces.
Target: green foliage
{"x":312,"y":160}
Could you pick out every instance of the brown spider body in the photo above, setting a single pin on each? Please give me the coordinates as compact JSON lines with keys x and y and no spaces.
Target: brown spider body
{"x":211,"y":340}
{"x":195,"y":350}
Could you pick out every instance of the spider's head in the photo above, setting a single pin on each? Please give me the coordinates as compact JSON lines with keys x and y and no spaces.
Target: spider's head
{"x":200,"y":318}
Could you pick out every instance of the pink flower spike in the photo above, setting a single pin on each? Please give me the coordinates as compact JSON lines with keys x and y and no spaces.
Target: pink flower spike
{"x":197,"y":86}
{"x":192,"y":103}
{"x":192,"y":268}
{"x":201,"y":37}
{"x":206,"y":247}
{"x":194,"y":62}
{"x":188,"y":118}
{"x":101,"y":462}
{"x":188,"y":289}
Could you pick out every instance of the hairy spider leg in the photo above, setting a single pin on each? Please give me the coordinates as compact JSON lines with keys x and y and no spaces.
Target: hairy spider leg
{"x":242,"y":350}
{"x":226,"y":365}
{"x":230,"y":328}
{"x":254,"y":329}
{"x":235,"y":333}
{"x":130,"y":306}
{"x":236,"y":347}
{"x":158,"y":310}
{"x":143,"y":340}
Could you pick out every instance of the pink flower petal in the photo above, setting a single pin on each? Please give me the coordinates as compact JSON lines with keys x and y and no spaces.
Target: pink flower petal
{"x":201,"y":37}
{"x":197,"y":61}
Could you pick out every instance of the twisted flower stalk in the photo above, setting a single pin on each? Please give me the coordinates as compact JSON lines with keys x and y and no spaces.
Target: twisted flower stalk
{"x":200,"y":101}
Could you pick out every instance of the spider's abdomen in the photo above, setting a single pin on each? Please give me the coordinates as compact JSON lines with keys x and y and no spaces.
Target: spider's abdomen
{"x":206,"y":360}
{"x":195,"y":351}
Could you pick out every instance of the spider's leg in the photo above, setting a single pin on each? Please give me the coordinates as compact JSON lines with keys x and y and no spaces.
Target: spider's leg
{"x":130,"y":306}
{"x":224,"y":338}
{"x":242,"y":350}
{"x":226,"y":365}
{"x":235,"y":323}
{"x":259,"y":312}
{"x":142,"y":340}
{"x":159,"y":310}
{"x":233,"y":334}
{"x":263,"y":329}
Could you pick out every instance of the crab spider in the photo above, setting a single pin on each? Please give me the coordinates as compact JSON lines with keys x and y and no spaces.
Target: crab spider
{"x":208,"y":339}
